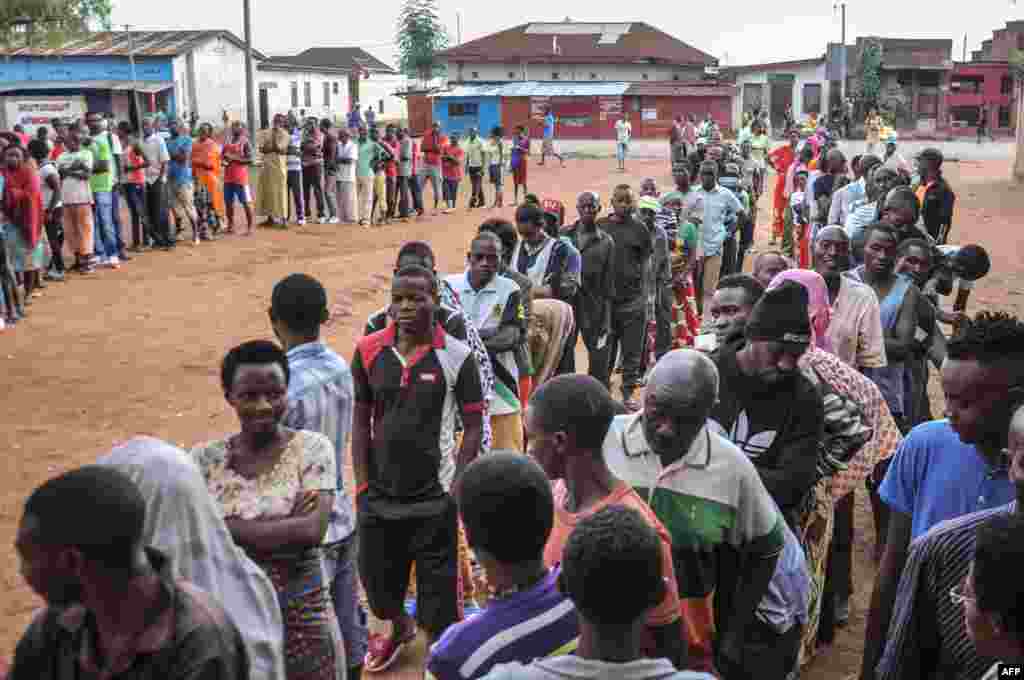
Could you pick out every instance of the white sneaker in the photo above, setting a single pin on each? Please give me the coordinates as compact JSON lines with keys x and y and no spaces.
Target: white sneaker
{"x":301,"y":222}
{"x":114,"y":262}
{"x":102,"y":261}
{"x":334,"y":220}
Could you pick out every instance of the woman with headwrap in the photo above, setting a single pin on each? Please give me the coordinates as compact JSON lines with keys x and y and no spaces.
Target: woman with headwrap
{"x":272,"y":196}
{"x":684,"y":320}
{"x":859,"y":431}
{"x":184,"y":523}
{"x":23,"y":204}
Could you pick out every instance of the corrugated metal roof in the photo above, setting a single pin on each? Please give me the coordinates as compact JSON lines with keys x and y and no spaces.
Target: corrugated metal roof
{"x":144,"y":86}
{"x":681,"y":90}
{"x":529,"y":42}
{"x":537,"y":89}
{"x":121,"y":44}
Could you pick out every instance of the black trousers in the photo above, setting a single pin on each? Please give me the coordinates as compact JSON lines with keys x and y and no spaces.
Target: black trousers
{"x":156,"y":207}
{"x":55,"y":234}
{"x":416,"y":189}
{"x":404,"y":196}
{"x":294,"y":191}
{"x":313,"y":183}
{"x":767,"y":653}
{"x":476,"y":179}
{"x":627,"y":336}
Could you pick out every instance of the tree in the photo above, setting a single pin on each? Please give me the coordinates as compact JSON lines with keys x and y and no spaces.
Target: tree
{"x":420,"y":35}
{"x":870,"y":73}
{"x":1017,"y":71}
{"x":50,"y":22}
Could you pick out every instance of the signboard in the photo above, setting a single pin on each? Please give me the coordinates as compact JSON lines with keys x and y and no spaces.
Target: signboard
{"x":538,"y":107}
{"x":650,"y":114}
{"x":609,"y":106}
{"x":32,"y":113}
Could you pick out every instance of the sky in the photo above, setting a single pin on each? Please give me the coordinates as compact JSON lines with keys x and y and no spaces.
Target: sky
{"x":739,"y":32}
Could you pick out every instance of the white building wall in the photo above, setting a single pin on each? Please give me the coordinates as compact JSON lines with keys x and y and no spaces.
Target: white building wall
{"x":379,"y":89}
{"x":575,"y":72}
{"x":804,"y":74}
{"x":220,"y":81}
{"x":280,"y":100}
{"x":182,"y":104}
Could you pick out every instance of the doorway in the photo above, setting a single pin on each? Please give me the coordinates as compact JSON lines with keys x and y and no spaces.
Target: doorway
{"x":264,"y":109}
{"x":780,"y":96}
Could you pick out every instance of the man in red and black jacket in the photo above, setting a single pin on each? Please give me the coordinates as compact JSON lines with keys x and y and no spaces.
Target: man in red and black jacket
{"x":431,"y":146}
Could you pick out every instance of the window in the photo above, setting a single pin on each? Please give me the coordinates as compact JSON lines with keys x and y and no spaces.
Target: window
{"x":334,"y":87}
{"x":967,"y":84}
{"x":307,"y":91}
{"x":554,"y":76}
{"x":327,"y":95}
{"x":475,"y":75}
{"x":965,"y":115}
{"x":1006,"y":85}
{"x":644,"y":76}
{"x":1004,"y":117}
{"x":675,"y":76}
{"x":380,"y":106}
{"x":812,"y":98}
{"x":295,"y":95}
{"x":463,"y":109}
{"x":511,"y":75}
{"x":593,"y":76}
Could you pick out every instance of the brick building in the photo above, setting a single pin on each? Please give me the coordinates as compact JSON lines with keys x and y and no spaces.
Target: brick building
{"x":590,"y":74}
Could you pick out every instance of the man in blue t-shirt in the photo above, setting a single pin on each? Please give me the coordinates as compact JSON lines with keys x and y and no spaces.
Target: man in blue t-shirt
{"x":548,"y":147}
{"x":948,"y":468}
{"x":529,"y":617}
{"x":179,"y":180}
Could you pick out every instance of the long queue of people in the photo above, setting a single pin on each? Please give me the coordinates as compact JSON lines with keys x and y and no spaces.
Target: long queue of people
{"x":63,"y":190}
{"x":700,"y":527}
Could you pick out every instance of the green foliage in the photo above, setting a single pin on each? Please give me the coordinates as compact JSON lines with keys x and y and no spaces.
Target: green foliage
{"x":870,"y":73}
{"x":1017,"y":64}
{"x":420,"y":35}
{"x":50,"y":22}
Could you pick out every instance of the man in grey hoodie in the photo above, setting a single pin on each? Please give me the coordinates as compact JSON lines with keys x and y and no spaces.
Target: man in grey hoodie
{"x":611,"y":570}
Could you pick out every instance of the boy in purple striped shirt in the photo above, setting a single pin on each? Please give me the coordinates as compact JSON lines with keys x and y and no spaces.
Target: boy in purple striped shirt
{"x":528,"y":617}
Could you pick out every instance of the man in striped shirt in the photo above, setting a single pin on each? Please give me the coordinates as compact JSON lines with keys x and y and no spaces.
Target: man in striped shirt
{"x":927,"y":636}
{"x":529,"y":617}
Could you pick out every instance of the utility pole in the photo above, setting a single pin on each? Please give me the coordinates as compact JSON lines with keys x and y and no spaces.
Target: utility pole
{"x":965,"y":48}
{"x":842,"y":46}
{"x":135,"y":80}
{"x":458,"y":27}
{"x":250,"y":84}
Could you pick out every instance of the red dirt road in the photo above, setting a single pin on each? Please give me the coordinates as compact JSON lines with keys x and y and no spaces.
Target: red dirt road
{"x":138,"y":351}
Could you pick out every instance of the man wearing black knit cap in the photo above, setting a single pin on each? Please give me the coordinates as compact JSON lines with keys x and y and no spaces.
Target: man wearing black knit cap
{"x":936,"y":196}
{"x":765,"y":405}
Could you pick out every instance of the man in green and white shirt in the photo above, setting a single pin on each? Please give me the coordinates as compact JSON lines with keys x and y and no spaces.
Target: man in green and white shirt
{"x":494,"y":305}
{"x":727,"y":533}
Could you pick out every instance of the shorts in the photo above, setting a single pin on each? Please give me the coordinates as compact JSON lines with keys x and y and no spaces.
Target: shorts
{"x":236,"y":191}
{"x":494,"y":172}
{"x":387,"y":550}
{"x":548,"y":146}
{"x":519,"y":172}
{"x":430,"y":171}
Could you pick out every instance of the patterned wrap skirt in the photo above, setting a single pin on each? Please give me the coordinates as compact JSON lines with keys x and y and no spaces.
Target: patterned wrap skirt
{"x":312,"y":640}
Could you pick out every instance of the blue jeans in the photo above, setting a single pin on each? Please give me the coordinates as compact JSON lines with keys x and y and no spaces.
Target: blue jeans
{"x":103,"y":219}
{"x":340,"y":563}
{"x":115,"y":211}
{"x":620,"y":151}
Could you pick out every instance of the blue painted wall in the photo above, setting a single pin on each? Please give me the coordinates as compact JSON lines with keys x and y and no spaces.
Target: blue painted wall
{"x":488,"y":114}
{"x":84,"y":68}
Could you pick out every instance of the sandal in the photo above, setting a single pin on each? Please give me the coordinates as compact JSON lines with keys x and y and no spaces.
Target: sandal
{"x":383,"y":651}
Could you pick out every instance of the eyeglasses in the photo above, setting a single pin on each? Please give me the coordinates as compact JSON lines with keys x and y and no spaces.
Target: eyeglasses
{"x":957,"y":596}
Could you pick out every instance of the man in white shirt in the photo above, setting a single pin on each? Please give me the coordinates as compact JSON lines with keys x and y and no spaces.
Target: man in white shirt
{"x":155,"y":151}
{"x":895,"y":160}
{"x":494,"y":305}
{"x":623,"y":132}
{"x":348,"y":155}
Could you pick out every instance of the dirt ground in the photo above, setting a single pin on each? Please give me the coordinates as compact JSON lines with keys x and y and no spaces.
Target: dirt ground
{"x":137,"y":351}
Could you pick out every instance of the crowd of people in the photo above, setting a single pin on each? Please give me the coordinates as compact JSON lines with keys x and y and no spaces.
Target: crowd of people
{"x":700,"y":526}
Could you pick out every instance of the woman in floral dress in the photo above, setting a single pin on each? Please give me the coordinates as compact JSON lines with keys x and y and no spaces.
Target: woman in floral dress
{"x":275,"y":488}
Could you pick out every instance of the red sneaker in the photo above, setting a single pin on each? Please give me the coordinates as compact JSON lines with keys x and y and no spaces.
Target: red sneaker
{"x":383,"y":651}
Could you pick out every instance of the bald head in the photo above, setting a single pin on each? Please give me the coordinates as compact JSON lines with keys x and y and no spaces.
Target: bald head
{"x":767,"y":265}
{"x":684,"y":379}
{"x":681,"y":392}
